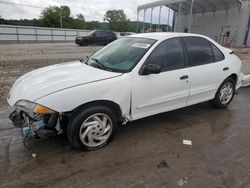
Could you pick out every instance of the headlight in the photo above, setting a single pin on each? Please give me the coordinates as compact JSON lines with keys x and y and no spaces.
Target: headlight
{"x":31,"y":107}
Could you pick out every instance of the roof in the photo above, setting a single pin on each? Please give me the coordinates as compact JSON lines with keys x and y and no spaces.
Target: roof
{"x":163,"y":35}
{"x":199,"y":6}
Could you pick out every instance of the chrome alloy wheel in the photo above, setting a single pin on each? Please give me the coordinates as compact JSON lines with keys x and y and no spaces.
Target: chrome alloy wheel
{"x":96,"y":130}
{"x":226,"y":93}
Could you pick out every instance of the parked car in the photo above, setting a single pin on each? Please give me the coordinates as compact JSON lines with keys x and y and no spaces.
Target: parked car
{"x":132,"y":78}
{"x":124,"y":34}
{"x":96,"y":37}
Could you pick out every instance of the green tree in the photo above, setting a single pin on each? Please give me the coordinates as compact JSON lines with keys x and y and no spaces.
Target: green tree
{"x":50,"y":17}
{"x":117,"y":20}
{"x":79,"y":22}
{"x":93,"y":25}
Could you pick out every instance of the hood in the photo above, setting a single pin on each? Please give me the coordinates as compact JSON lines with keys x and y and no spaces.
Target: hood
{"x":47,"y":80}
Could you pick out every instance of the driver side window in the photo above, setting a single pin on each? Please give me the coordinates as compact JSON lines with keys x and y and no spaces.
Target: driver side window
{"x":168,"y":55}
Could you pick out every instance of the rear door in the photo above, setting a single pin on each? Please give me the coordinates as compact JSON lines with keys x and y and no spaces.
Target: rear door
{"x":207,"y":68}
{"x":98,"y":37}
{"x":108,"y":37}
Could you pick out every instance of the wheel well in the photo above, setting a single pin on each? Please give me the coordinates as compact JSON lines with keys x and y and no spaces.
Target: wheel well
{"x":234,"y":77}
{"x":110,"y":104}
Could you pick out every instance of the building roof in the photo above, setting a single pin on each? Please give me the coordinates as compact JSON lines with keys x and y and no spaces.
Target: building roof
{"x":199,"y":6}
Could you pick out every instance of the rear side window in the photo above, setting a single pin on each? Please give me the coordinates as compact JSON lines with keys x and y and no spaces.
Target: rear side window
{"x":101,"y":33}
{"x":107,"y":33}
{"x":199,"y":50}
{"x":98,"y":33}
{"x":168,"y":55}
{"x":218,"y":55}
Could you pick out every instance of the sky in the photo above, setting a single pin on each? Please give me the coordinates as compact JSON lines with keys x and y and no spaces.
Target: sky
{"x":91,"y":9}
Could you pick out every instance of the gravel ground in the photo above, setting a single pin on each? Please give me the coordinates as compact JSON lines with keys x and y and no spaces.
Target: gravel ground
{"x":145,"y":153}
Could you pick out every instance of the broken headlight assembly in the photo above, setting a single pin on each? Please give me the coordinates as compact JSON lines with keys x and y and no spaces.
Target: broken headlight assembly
{"x":28,"y":106}
{"x":32,"y":110}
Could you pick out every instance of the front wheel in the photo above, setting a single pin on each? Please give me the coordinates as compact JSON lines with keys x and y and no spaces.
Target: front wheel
{"x":225,"y":94}
{"x":92,"y":128}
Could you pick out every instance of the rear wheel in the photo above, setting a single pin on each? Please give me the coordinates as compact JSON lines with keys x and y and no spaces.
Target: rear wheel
{"x":92,"y":128}
{"x":225,"y":94}
{"x":108,"y":41}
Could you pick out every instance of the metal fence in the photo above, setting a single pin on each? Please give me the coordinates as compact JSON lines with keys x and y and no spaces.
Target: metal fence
{"x":26,"y":34}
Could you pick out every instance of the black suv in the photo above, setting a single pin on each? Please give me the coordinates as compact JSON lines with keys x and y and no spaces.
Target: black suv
{"x":96,"y":37}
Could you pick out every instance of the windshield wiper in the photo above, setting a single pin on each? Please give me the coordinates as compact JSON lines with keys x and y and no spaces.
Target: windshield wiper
{"x":98,"y":63}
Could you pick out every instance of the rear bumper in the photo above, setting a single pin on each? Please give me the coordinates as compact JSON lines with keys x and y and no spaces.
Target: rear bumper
{"x":246,"y":81}
{"x":240,"y":81}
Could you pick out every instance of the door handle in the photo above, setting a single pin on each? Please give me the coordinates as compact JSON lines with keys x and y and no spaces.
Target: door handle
{"x":184,"y":77}
{"x":225,"y":68}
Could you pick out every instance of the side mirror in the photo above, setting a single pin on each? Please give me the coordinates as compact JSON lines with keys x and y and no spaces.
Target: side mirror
{"x":150,"y":69}
{"x":93,"y":34}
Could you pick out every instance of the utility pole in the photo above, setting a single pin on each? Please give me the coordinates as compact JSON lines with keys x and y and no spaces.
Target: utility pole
{"x":61,"y":17}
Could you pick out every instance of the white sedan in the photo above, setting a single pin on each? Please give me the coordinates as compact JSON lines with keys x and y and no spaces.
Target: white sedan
{"x":131,"y":78}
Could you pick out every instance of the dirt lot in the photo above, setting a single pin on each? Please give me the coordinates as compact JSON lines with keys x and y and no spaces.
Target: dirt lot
{"x":145,"y":153}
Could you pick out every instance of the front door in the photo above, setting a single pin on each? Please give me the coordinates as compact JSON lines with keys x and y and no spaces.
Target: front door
{"x":168,"y":90}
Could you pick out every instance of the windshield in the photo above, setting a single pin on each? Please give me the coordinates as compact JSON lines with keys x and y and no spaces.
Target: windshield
{"x":121,"y":55}
{"x":90,"y":33}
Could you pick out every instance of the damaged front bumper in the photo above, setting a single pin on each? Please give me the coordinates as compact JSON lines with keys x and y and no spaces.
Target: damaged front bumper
{"x":36,"y":126}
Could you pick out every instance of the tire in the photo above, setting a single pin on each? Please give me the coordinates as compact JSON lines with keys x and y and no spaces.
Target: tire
{"x":108,"y":41}
{"x":228,"y":86}
{"x":92,"y":128}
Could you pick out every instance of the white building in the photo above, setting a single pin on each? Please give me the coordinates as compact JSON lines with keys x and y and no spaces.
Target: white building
{"x":226,"y":21}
